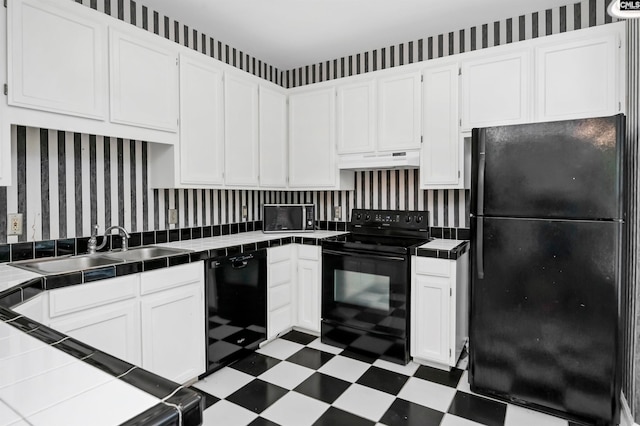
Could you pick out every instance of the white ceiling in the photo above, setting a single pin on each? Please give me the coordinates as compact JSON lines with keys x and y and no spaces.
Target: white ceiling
{"x":292,"y":33}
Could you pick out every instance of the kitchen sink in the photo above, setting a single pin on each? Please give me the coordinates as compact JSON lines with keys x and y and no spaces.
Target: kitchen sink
{"x":58,"y":265}
{"x":143,"y":253}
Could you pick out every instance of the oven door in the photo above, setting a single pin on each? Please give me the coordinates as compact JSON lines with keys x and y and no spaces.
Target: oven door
{"x":365,"y":290}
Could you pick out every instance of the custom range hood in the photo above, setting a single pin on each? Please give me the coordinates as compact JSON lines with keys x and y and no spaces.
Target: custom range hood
{"x":391,"y":160}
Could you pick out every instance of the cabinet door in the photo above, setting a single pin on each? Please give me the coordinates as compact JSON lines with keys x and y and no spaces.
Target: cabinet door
{"x":312,"y":139}
{"x":356,"y":117}
{"x":114,"y":329}
{"x":399,"y":115}
{"x":440,"y":167}
{"x":241,"y":131}
{"x":273,"y":138}
{"x":173,"y":330}
{"x":308,"y":286}
{"x":143,"y":81}
{"x":57,"y":59}
{"x":280,"y":303}
{"x":577,"y":79}
{"x":496,"y":90}
{"x":201,"y":122}
{"x":430,"y":313}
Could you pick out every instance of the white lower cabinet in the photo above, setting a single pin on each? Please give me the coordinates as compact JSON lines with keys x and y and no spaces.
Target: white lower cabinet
{"x":113,"y":329}
{"x":439,"y":310}
{"x":308,"y":287}
{"x":173,"y":332}
{"x":155,"y":320}
{"x":280,"y":289}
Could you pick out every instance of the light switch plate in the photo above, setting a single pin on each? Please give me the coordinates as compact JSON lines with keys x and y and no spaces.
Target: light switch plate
{"x":173,"y":216}
{"x":244,"y":213}
{"x":337,"y":213}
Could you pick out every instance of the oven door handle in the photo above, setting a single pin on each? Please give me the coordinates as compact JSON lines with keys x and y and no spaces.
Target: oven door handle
{"x":365,"y":255}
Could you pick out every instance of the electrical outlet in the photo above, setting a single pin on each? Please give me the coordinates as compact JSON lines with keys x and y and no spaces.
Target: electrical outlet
{"x":173,"y":216}
{"x":337,"y":213}
{"x":15,"y":224}
{"x":245,"y":213}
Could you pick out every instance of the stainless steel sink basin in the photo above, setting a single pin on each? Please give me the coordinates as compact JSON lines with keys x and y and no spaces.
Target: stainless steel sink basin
{"x":58,"y":265}
{"x":143,"y":253}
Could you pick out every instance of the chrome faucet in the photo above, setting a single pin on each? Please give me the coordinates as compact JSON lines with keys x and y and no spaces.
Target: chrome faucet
{"x":92,"y":245}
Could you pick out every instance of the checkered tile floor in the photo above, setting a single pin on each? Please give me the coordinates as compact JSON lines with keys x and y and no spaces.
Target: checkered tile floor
{"x":297,"y":380}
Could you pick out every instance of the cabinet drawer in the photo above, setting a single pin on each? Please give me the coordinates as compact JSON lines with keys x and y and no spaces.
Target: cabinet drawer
{"x":85,"y":296}
{"x":279,"y":254}
{"x":279,"y":296}
{"x":308,"y":252}
{"x":176,"y":276}
{"x":430,"y":266}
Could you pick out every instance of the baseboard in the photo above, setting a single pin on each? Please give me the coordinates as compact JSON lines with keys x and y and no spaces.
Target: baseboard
{"x":626,"y":418}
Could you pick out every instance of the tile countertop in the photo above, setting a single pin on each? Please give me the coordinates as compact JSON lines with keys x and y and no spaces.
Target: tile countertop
{"x":41,"y":385}
{"x":443,"y":249}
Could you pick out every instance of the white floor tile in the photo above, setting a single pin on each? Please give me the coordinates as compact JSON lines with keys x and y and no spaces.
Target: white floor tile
{"x":224,"y":382}
{"x":365,"y":402}
{"x":407,"y":370}
{"x":295,"y":409}
{"x":344,"y":368}
{"x":280,"y":348}
{"x":317,"y":344}
{"x":110,"y":404}
{"x":520,"y":416}
{"x":463,"y":384}
{"x":428,"y":394}
{"x":228,"y":414}
{"x":451,"y":420}
{"x":286,"y":374}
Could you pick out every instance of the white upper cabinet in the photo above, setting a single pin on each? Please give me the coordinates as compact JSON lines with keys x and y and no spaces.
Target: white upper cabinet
{"x":58,"y":59}
{"x":441,"y":162}
{"x":143,"y":81}
{"x":312,"y":138}
{"x":577,"y":79}
{"x":201,"y":122}
{"x":496,"y":89}
{"x":241,"y":131}
{"x":356,"y":117}
{"x":273,"y":138}
{"x":399,"y":113}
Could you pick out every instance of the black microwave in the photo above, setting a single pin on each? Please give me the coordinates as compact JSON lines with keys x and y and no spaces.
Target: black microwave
{"x":288,"y":218}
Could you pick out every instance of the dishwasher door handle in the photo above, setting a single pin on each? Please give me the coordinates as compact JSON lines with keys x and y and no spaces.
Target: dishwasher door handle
{"x":239,"y":264}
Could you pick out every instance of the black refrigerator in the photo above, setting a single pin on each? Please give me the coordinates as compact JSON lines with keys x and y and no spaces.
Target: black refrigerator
{"x":546,"y":225}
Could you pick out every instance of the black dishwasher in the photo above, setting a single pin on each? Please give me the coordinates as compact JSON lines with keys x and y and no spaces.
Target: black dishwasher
{"x":236,"y":293}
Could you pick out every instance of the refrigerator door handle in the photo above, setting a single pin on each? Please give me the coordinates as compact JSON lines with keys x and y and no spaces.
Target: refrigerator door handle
{"x":481,"y":167}
{"x":479,"y":247}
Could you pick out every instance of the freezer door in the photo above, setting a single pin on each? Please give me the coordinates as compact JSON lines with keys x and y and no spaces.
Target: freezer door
{"x":544,"y":314}
{"x":565,"y":169}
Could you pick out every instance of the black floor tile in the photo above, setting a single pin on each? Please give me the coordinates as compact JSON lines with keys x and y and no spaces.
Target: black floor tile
{"x":257,"y":396}
{"x":208,"y":399}
{"x":255,"y":364}
{"x":311,"y":358}
{"x":446,"y":378}
{"x":383,"y":380}
{"x":359,"y":356}
{"x":260,"y":421}
{"x":405,"y":413}
{"x":322,"y":387}
{"x":299,"y":337}
{"x":336,"y":417}
{"x":477,"y":409}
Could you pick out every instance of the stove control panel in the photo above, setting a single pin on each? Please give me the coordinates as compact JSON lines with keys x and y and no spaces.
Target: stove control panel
{"x":390,"y":218}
